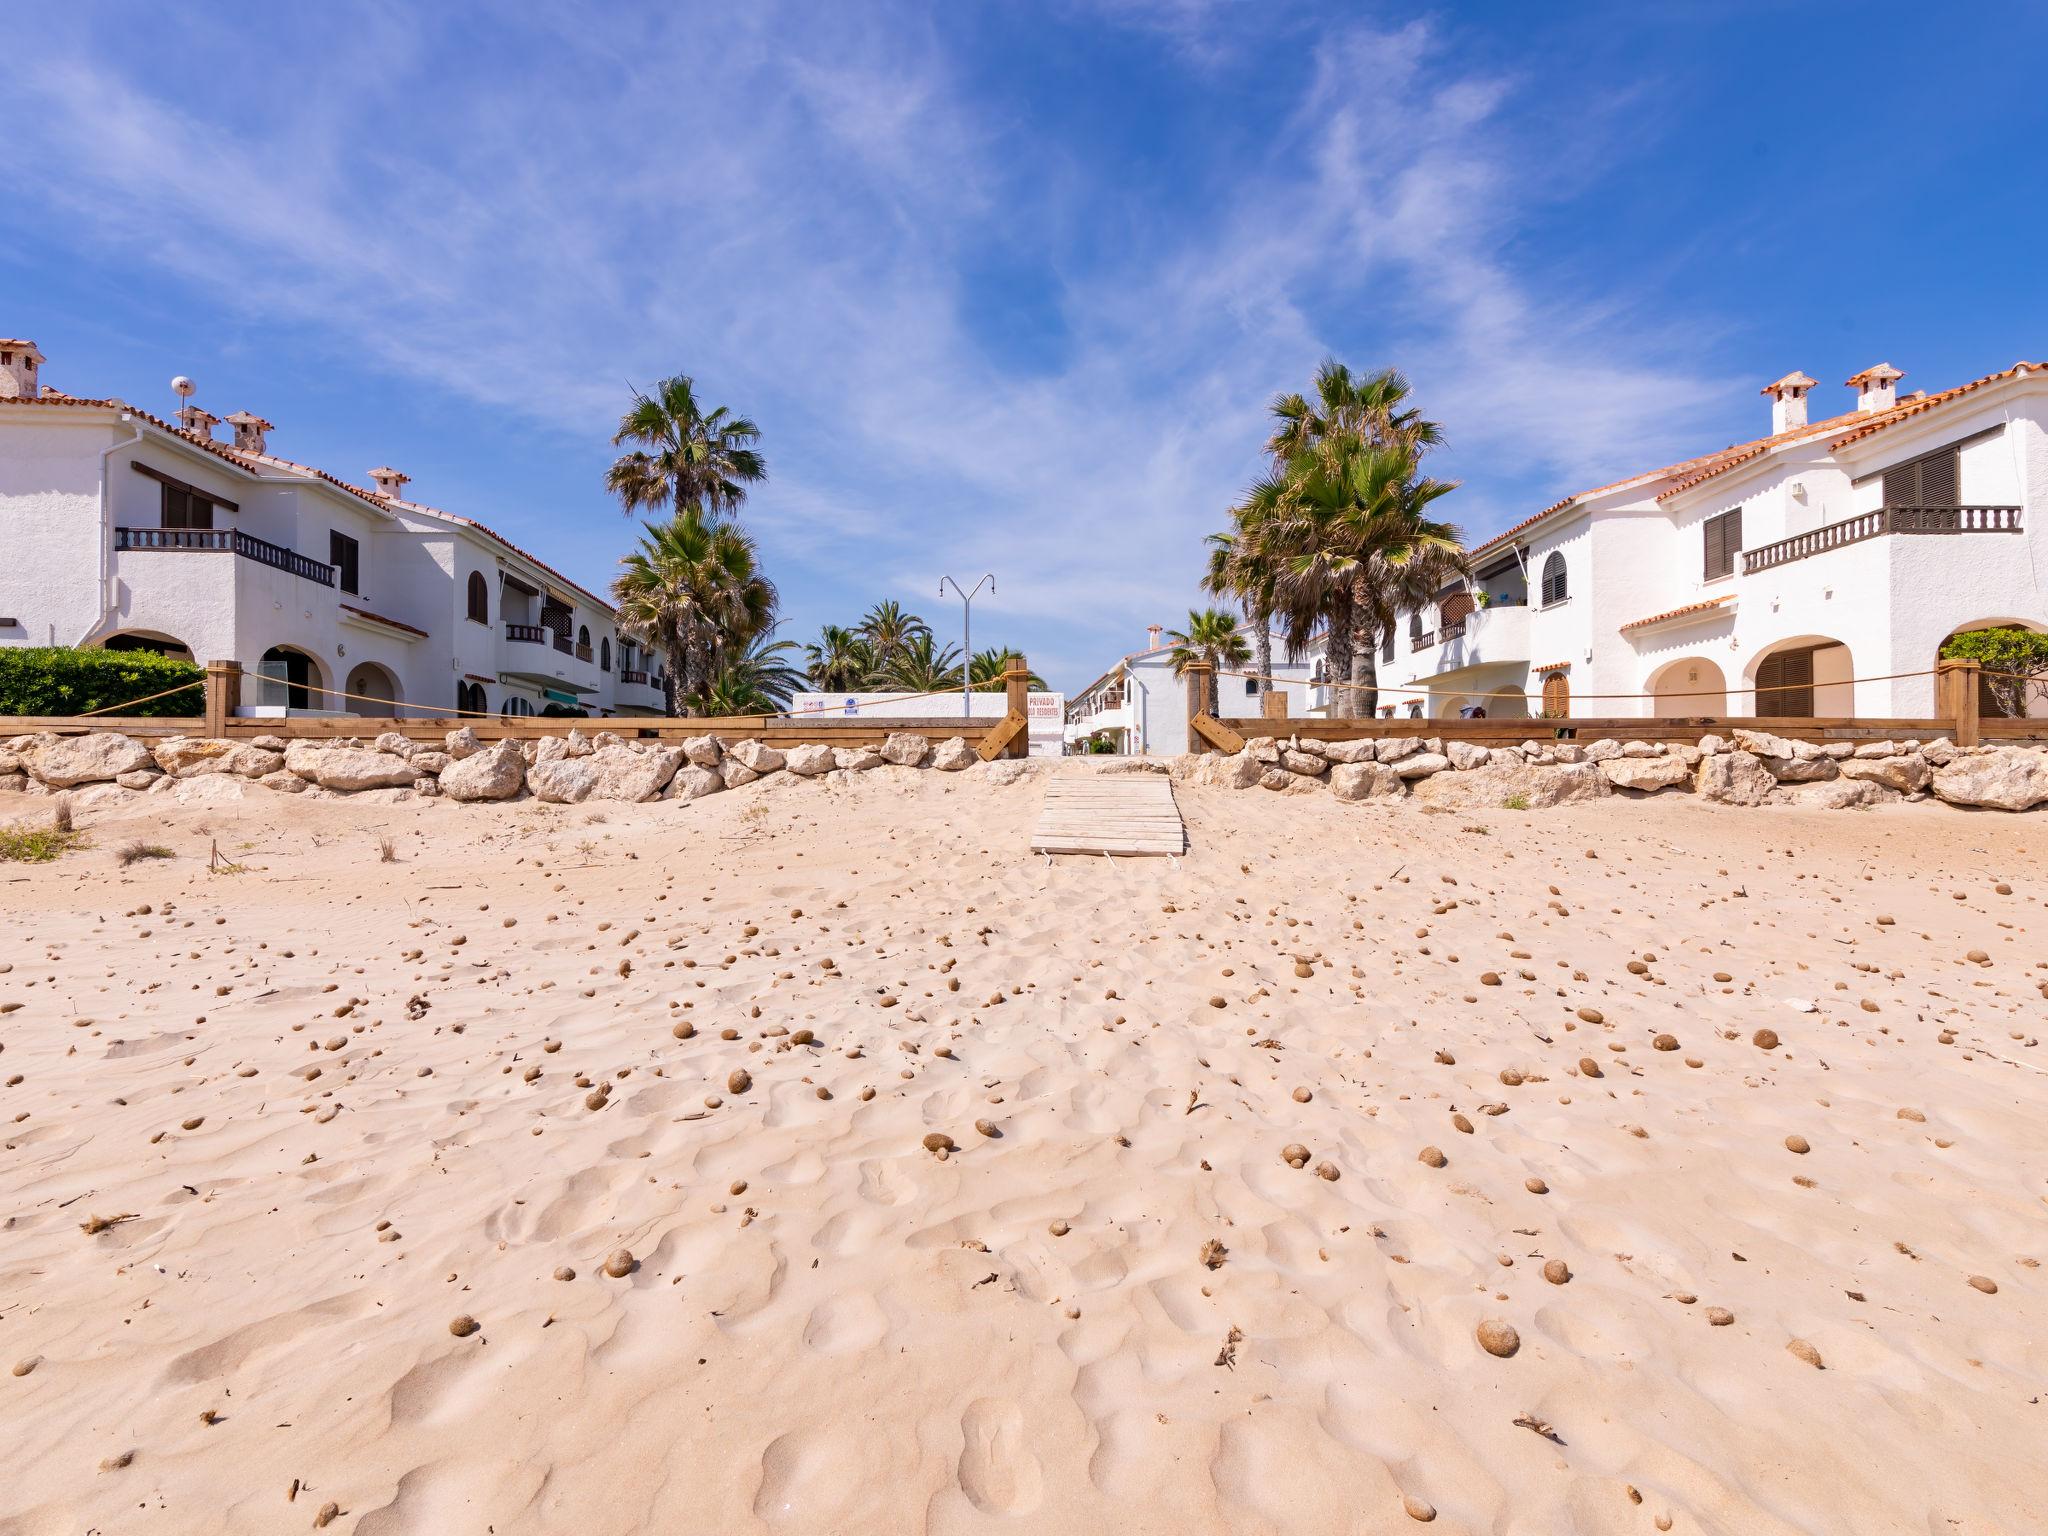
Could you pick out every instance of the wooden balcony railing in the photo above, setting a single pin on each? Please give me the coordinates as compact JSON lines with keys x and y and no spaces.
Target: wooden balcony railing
{"x":532,"y":634}
{"x":583,"y":653}
{"x":630,"y":676}
{"x":1452,"y":630}
{"x":1421,"y":642}
{"x":226,"y":541}
{"x":564,"y":644}
{"x":1876,"y":524}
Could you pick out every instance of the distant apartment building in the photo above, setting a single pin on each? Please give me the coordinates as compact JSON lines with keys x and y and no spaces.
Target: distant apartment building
{"x":1814,"y":571}
{"x":127,"y":531}
{"x":1138,"y":706}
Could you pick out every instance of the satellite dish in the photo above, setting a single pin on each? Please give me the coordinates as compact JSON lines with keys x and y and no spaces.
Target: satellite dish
{"x":183,"y":387}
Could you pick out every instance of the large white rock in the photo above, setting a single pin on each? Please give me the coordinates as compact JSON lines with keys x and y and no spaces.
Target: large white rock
{"x":1391,"y":749}
{"x":1532,"y":786}
{"x":396,"y":744}
{"x":187,"y":757}
{"x":1366,"y":781}
{"x":809,"y":761}
{"x":906,"y":749}
{"x":348,"y":769}
{"x":1357,"y":750}
{"x":1733,"y":778}
{"x":1645,"y":773}
{"x":624,"y":774}
{"x":496,"y":773}
{"x":953,"y":754}
{"x":704,"y":751}
{"x":2005,"y":779}
{"x":856,"y":759}
{"x":562,"y":780}
{"x":1906,"y":772}
{"x":1600,"y":751}
{"x":463,"y":742}
{"x":1834,"y":794}
{"x":13,"y":783}
{"x":1303,"y":762}
{"x":733,"y":773}
{"x":757,"y":755}
{"x":1465,"y":755}
{"x":1239,"y":770}
{"x":692,"y":782}
{"x":63,"y":761}
{"x":1420,"y":765}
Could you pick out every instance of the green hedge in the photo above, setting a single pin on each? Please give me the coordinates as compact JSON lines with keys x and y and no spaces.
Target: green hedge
{"x":56,"y":680}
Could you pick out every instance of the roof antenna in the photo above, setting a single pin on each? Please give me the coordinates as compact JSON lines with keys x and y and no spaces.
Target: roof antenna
{"x":184,"y":389}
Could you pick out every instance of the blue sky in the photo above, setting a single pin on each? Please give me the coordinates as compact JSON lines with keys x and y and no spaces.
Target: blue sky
{"x":1008,"y":286}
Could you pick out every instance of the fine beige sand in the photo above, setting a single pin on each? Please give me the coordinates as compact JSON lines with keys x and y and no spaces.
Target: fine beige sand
{"x":315,"y":1175}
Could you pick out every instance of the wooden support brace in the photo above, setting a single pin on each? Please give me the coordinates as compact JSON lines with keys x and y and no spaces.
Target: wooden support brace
{"x":1218,"y":735}
{"x":997,"y":742}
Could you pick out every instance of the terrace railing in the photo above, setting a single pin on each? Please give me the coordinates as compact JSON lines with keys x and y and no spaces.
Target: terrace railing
{"x":226,"y":541}
{"x":530,"y":634}
{"x":1877,"y":524}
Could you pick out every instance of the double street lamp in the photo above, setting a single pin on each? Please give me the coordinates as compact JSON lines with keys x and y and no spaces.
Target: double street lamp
{"x":967,"y":636}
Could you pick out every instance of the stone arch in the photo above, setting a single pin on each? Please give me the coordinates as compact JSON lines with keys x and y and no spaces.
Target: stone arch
{"x":1802,"y":677}
{"x":292,"y":678}
{"x":376,"y":691}
{"x":155,"y":642}
{"x":1690,"y":685}
{"x":1506,"y":701}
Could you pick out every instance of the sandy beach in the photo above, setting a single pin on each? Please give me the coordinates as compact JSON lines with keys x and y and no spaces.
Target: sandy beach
{"x":1670,"y":1169}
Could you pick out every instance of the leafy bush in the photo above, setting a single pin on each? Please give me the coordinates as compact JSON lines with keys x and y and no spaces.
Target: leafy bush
{"x":2019,"y":654}
{"x":56,"y":680}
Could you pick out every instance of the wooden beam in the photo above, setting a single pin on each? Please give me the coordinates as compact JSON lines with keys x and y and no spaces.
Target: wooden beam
{"x":1218,"y":736}
{"x":997,"y":742}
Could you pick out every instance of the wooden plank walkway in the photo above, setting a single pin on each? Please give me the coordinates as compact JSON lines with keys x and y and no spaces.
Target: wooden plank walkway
{"x":1127,"y":814}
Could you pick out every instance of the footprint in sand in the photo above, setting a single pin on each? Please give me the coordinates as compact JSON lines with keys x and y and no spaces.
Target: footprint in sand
{"x":998,"y":1473}
{"x":846,"y":1324}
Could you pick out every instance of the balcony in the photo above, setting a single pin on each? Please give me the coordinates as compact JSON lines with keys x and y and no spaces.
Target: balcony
{"x":1421,"y":642}
{"x":631,"y":676}
{"x":225,"y":541}
{"x":529,"y":634}
{"x":1877,"y":524}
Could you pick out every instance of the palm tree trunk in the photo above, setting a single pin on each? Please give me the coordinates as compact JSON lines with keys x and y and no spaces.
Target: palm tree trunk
{"x":1337,"y":654}
{"x":1262,"y":649}
{"x":1364,"y":659}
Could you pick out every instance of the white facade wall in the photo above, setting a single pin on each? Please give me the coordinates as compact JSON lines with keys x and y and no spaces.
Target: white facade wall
{"x":68,"y":483}
{"x":1152,"y":717}
{"x":1878,"y":607}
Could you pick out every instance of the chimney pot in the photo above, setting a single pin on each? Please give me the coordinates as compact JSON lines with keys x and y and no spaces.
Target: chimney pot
{"x":249,"y":431}
{"x":389,"y":482}
{"x":197,"y":420}
{"x":19,"y":359}
{"x":1152,"y":634}
{"x":1874,"y":387}
{"x":1788,"y":401}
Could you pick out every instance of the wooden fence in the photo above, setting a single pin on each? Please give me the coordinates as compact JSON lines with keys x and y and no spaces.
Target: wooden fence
{"x":1957,"y":700}
{"x":991,"y":738}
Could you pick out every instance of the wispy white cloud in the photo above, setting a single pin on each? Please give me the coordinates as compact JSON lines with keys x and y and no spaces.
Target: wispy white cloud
{"x":788,"y":207}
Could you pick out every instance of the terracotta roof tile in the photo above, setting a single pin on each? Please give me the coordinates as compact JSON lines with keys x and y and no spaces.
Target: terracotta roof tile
{"x":1928,"y":402}
{"x":1679,"y":613}
{"x":378,"y":618}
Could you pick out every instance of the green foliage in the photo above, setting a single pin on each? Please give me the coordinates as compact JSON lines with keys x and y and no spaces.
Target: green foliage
{"x":2020,"y":654}
{"x":1515,"y":803}
{"x":37,"y":845}
{"x":892,"y":650}
{"x":56,"y":680}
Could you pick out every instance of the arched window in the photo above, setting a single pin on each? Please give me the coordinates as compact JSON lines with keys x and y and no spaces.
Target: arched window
{"x":1557,"y":694}
{"x":471,"y":699}
{"x":604,"y":653}
{"x":1415,"y":627}
{"x":1555,"y":589}
{"x":583,"y":636}
{"x":479,"y":598}
{"x":515,"y":705}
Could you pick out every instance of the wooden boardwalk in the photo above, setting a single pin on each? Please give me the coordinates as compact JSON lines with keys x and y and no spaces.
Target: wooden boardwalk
{"x":1113,"y":814}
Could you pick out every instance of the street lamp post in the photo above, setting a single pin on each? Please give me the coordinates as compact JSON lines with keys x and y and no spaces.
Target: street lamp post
{"x":966,"y":637}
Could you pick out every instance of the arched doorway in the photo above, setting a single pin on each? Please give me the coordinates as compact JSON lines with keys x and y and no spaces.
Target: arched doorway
{"x":1506,"y":702}
{"x":290,"y":678}
{"x":1448,"y":706}
{"x":1691,"y":685}
{"x":1807,"y":678}
{"x":144,"y":640}
{"x":1557,"y":696}
{"x":375,"y":691}
{"x":2001,"y":697}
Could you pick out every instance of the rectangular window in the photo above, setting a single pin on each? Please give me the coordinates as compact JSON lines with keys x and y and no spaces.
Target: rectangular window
{"x":1934,"y":480}
{"x":185,"y":508}
{"x":343,"y":553}
{"x":1724,"y":542}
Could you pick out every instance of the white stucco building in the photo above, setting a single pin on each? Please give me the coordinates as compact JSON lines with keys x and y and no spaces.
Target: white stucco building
{"x":1761,"y":578}
{"x":124,"y":530}
{"x":1141,"y":707}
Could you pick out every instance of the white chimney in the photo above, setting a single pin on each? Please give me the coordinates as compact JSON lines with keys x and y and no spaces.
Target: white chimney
{"x":1788,"y":401}
{"x":249,"y":430}
{"x":389,"y":482}
{"x":1152,"y":634}
{"x":1873,"y":387}
{"x":19,"y":360}
{"x":197,"y":420}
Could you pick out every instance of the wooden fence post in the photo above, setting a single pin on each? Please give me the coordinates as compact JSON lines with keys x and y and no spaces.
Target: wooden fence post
{"x":1017,"y":701}
{"x":1956,"y":695}
{"x":1198,"y":675}
{"x":1273,"y":706}
{"x":223,"y":695}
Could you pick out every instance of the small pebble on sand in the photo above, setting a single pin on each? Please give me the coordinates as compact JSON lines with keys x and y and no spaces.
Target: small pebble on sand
{"x":1432,"y":1156}
{"x":1497,"y":1338}
{"x":463,"y":1326}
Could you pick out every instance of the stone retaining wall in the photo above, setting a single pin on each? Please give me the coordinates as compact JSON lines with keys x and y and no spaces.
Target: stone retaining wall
{"x":1754,"y":768}
{"x":569,"y":769}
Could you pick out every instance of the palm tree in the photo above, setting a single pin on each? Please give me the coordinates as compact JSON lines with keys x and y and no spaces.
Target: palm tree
{"x":888,"y":630}
{"x":752,"y":679}
{"x":985,"y":670}
{"x":693,"y":590}
{"x":841,"y":660}
{"x":687,"y":457}
{"x":1212,"y":636}
{"x":1239,"y":569}
{"x":919,"y":666}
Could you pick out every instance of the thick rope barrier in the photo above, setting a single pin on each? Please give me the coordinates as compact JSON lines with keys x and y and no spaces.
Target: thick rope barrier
{"x":147,"y":698}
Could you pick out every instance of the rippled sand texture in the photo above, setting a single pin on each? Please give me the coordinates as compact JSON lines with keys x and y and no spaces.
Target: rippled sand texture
{"x":320,"y":1110}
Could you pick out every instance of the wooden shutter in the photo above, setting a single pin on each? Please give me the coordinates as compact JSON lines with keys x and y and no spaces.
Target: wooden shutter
{"x":1557,"y":696}
{"x":1784,"y":683}
{"x":1455,"y":607}
{"x":1723,"y":538}
{"x":1555,"y":589}
{"x":1932,"y":481}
